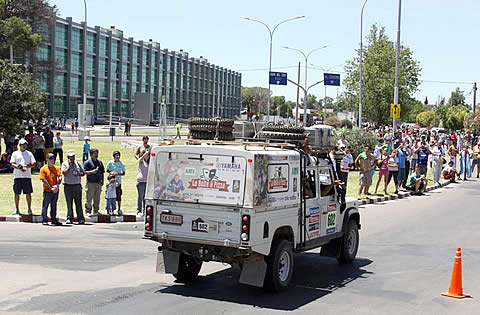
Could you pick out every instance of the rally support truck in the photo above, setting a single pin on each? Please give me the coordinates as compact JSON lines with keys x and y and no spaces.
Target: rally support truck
{"x":251,"y":205}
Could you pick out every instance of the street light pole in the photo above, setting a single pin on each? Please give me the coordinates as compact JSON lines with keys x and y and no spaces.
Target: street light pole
{"x":306,"y":70}
{"x":84,"y":65}
{"x":361,"y":68}
{"x":397,"y":64}
{"x":271,"y":32}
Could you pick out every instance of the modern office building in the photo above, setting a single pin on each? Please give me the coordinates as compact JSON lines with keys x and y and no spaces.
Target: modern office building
{"x":116,"y":68}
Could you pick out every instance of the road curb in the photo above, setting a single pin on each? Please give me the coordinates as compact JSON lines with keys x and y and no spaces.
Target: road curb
{"x":374,"y":200}
{"x":92,"y":219}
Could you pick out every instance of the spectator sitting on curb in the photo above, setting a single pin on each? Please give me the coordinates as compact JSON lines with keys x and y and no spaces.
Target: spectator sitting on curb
{"x":450,"y":173}
{"x":116,"y":168}
{"x":5,"y":166}
{"x":417,"y":182}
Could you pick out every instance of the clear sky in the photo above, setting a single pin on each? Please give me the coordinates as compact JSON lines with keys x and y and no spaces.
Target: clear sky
{"x":442,"y":34}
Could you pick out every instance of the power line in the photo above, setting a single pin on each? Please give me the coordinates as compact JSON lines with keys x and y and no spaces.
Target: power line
{"x":446,"y":82}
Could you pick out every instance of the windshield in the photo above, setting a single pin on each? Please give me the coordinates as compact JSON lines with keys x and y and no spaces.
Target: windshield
{"x":200,"y":178}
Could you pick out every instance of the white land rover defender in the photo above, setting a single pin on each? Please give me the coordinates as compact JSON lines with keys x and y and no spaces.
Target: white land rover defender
{"x":251,"y":204}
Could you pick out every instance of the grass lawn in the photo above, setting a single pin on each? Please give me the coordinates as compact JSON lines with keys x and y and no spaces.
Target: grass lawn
{"x":353,"y":183}
{"x":129,"y":198}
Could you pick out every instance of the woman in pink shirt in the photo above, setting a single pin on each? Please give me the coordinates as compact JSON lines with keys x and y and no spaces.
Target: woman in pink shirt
{"x":383,"y":170}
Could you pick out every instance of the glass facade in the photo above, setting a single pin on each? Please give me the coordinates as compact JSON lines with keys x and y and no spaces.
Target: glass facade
{"x":191,"y":86}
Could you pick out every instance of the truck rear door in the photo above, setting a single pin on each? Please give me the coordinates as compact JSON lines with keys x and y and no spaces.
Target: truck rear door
{"x":199,"y":195}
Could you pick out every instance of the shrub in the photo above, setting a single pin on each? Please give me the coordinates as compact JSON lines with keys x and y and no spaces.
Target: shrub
{"x":332,"y":121}
{"x":346,"y":123}
{"x":472,"y":122}
{"x":425,"y":119}
{"x":358,"y":139}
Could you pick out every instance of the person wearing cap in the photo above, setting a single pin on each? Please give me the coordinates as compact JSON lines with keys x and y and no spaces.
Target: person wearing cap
{"x":72,"y":185}
{"x":85,"y":149}
{"x":116,"y":168}
{"x":51,"y":177}
{"x":22,"y":162}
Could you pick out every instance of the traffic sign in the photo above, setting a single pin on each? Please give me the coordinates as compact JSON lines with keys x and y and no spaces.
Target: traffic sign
{"x":331,"y":79}
{"x":278,"y":78}
{"x":395,"y":111}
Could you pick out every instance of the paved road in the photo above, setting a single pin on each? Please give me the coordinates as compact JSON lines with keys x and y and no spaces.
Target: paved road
{"x":404,"y":263}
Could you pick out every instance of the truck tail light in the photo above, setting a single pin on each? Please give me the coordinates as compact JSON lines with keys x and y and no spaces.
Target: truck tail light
{"x":148,"y":218}
{"x":245,"y":236}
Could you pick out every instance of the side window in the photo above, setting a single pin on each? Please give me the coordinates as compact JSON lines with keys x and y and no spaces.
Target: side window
{"x":309,"y":185}
{"x":325,"y":179}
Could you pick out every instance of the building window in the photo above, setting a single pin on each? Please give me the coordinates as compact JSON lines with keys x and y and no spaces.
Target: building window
{"x":125,"y":94}
{"x":61,"y":83}
{"x":115,"y":89}
{"x":61,"y":58}
{"x":76,"y":62}
{"x":135,"y":57}
{"x":135,"y":74}
{"x":153,"y":75}
{"x":124,"y":72}
{"x":102,"y":88}
{"x":90,"y":86}
{"x":77,"y":42}
{"x":44,"y":81}
{"x":61,"y":35}
{"x":115,"y":50}
{"x":102,"y":68}
{"x":144,"y":75}
{"x":43,"y":53}
{"x":101,"y":107}
{"x":91,"y":65}
{"x":91,"y":43}
{"x":115,"y":69}
{"x":145,"y":57}
{"x":169,"y":64}
{"x":134,"y":89}
{"x":103,"y":46}
{"x":155,"y":58}
{"x":126,"y":52}
{"x":124,"y":108}
{"x":75,"y":86}
{"x":59,"y":106}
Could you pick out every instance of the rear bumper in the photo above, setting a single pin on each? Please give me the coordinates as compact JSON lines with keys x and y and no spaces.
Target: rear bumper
{"x":206,"y":252}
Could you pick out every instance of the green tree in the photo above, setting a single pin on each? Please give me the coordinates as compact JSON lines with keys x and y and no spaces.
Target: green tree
{"x":455,"y":116}
{"x":332,"y":121}
{"x":255,"y":99}
{"x":416,"y":108}
{"x":278,"y":105}
{"x":457,"y":97}
{"x":312,"y":102}
{"x":18,"y":34}
{"x":425,"y":119}
{"x":472,"y":122}
{"x":379,"y":78}
{"x":20,"y":99}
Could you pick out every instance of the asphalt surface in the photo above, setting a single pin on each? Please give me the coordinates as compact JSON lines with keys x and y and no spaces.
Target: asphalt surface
{"x":405,"y":260}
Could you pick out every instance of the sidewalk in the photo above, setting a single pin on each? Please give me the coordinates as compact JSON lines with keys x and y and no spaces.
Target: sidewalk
{"x":92,"y":219}
{"x":373,"y":200}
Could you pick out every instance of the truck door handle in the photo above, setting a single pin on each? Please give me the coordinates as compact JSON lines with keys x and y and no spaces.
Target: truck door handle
{"x":166,"y":211}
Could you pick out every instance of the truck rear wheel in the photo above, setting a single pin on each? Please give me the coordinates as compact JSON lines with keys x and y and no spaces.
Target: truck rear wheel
{"x":280,"y":265}
{"x":188,"y":268}
{"x":349,"y":244}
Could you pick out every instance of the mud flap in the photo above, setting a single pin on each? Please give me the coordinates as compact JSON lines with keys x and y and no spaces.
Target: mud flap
{"x":167,"y":261}
{"x":253,"y":271}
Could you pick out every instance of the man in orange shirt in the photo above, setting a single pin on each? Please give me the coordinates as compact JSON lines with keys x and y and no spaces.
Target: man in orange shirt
{"x":51,"y":177}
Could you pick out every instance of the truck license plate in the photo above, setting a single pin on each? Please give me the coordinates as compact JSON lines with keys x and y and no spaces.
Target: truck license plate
{"x":171,"y":219}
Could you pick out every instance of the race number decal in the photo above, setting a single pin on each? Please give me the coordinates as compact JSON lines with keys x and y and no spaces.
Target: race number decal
{"x":331,"y":218}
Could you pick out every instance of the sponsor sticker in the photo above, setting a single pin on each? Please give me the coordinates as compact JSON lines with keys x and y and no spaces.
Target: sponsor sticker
{"x":190,"y":171}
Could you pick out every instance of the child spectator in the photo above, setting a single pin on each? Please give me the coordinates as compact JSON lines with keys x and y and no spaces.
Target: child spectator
{"x":85,"y":149}
{"x":450,"y":173}
{"x":111,"y":194}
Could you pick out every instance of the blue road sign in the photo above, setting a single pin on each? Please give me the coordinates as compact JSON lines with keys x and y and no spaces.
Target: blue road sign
{"x":331,"y":79}
{"x":278,"y":78}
